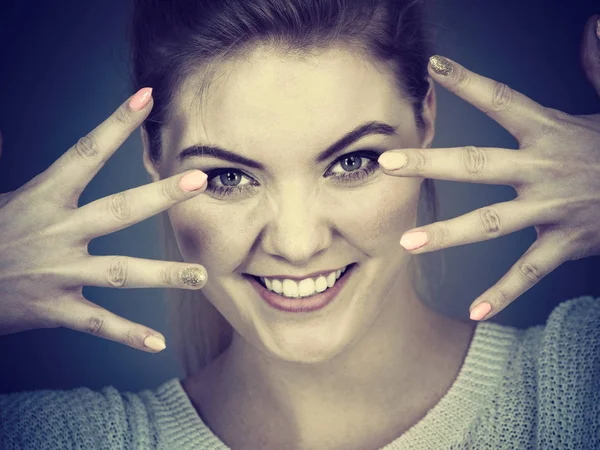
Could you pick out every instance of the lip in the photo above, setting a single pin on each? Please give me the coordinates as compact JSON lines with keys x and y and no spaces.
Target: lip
{"x":310,"y":275}
{"x":299,"y":305}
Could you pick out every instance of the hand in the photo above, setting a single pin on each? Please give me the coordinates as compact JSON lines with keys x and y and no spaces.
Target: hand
{"x":556,"y":173}
{"x":44,"y":239}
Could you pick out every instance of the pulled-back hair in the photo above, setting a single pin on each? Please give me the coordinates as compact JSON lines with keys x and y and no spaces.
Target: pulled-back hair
{"x":170,"y":40}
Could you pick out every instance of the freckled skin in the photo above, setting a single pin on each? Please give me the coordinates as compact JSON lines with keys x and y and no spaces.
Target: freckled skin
{"x":283,"y":112}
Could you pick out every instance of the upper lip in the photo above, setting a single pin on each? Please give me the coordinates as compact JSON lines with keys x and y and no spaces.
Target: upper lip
{"x":310,"y":275}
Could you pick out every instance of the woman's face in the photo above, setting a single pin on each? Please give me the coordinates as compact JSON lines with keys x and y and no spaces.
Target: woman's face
{"x":297,"y":215}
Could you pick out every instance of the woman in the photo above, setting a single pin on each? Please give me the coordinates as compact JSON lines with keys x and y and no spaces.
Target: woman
{"x":358,"y":362}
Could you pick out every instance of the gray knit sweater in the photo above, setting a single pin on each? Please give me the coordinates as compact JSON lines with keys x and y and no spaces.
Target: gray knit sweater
{"x":534,"y":388}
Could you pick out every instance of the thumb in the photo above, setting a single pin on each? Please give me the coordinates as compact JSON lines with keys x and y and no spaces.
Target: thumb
{"x":590,"y":51}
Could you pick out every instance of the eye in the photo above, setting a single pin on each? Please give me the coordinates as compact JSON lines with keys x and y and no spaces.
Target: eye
{"x":354,"y":166}
{"x":228,"y":181}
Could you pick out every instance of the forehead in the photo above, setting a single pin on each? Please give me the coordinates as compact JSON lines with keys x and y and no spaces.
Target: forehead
{"x":269,"y":96}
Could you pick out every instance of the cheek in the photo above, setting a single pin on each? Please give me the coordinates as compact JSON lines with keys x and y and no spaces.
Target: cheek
{"x":211,"y":236}
{"x":376,"y":216}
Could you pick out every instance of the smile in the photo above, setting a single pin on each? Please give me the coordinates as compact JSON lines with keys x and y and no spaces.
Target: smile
{"x":305,"y":295}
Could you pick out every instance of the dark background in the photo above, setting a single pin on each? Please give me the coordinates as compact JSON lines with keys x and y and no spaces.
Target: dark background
{"x":64,"y":70}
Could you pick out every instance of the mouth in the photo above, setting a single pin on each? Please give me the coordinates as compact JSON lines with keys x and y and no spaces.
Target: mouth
{"x":269,"y":285}
{"x":303,"y":297}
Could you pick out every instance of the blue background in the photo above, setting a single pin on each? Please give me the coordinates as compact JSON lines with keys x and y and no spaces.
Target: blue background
{"x":64,"y":70}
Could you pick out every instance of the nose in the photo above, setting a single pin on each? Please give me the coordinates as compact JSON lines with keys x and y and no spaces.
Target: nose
{"x":298,"y":228}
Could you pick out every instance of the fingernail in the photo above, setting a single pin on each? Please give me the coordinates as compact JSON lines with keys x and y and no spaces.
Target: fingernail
{"x":480,"y":311}
{"x":192,"y":276}
{"x":141,"y":99}
{"x":414,"y":240}
{"x":193,"y":181}
{"x":441,"y":65}
{"x":155,"y":343}
{"x":598,"y":28}
{"x":392,"y":161}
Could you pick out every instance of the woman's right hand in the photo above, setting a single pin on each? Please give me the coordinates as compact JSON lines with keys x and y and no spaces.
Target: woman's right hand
{"x":44,"y":260}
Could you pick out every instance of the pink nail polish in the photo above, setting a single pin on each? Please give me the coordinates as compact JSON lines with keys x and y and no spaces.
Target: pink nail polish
{"x":140,"y":99}
{"x":414,"y":240}
{"x":480,"y":311}
{"x":193,"y":181}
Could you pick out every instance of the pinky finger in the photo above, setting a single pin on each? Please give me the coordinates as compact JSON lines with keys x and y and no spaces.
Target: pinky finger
{"x":82,"y":315}
{"x":542,"y":257}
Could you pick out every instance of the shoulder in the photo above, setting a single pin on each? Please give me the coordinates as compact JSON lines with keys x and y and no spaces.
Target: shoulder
{"x":569,"y":373}
{"x":57,"y":418}
{"x":573,"y":331}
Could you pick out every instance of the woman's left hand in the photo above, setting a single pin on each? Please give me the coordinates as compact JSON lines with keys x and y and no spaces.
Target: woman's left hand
{"x":556,"y":173}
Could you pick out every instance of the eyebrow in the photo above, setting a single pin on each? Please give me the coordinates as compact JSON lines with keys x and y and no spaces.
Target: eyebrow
{"x":368,"y":128}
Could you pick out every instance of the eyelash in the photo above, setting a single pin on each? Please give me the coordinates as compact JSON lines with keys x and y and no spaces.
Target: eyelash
{"x":362,"y":172}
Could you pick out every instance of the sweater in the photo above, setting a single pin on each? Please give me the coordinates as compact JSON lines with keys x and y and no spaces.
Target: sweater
{"x":532,"y":388}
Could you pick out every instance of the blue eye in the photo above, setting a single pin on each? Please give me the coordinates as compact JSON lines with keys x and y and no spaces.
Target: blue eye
{"x":354,"y":166}
{"x":230,"y":180}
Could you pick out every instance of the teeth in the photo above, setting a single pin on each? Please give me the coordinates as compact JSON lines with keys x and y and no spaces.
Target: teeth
{"x":290,"y":288}
{"x":304,"y":288}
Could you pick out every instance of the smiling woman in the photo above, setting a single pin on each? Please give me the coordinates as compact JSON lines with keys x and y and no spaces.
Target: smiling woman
{"x":310,"y":327}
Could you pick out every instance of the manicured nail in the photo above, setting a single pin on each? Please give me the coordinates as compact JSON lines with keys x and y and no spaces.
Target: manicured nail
{"x":141,"y":99}
{"x":441,"y":65}
{"x":392,"y":161}
{"x":193,"y":181}
{"x":414,"y":240}
{"x":155,"y":343}
{"x":480,"y":311}
{"x":192,"y":276}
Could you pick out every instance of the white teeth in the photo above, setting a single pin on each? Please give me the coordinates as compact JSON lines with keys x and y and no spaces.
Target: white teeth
{"x":290,"y":288}
{"x":304,"y":288}
{"x":321,"y":284}
{"x":331,"y":279}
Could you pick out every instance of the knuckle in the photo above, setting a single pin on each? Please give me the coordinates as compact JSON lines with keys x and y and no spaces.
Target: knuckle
{"x":461,"y":78}
{"x":440,"y":234}
{"x":122,"y":116}
{"x":490,"y":221}
{"x":170,"y":189}
{"x":474,"y":160}
{"x":531,"y":272}
{"x":131,"y":338}
{"x":119,"y":207}
{"x":87,"y":148}
{"x":168,"y":277}
{"x":420,"y":162}
{"x":116,"y":274}
{"x":502,"y":97}
{"x":95,"y":324}
{"x":498,"y":296}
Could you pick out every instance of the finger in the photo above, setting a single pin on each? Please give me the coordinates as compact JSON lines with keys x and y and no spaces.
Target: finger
{"x":482,"y":224}
{"x":126,"y":272}
{"x":118,"y":211}
{"x":68,"y":176}
{"x":486,"y":165}
{"x":543,"y":257}
{"x":590,"y":51}
{"x":83,"y":315}
{"x":514,"y":111}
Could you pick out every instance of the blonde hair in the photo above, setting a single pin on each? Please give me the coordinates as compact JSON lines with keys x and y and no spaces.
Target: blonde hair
{"x":199,"y":332}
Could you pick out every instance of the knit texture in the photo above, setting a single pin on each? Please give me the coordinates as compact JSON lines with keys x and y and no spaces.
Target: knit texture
{"x":517,"y":389}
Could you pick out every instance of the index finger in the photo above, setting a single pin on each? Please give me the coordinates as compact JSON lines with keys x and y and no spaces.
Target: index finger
{"x":68,"y":176}
{"x":516,"y":112}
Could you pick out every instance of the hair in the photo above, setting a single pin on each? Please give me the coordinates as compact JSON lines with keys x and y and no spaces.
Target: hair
{"x":171,"y":39}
